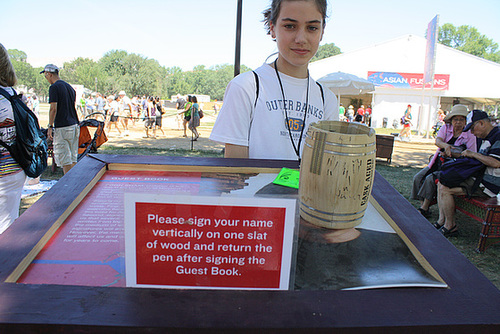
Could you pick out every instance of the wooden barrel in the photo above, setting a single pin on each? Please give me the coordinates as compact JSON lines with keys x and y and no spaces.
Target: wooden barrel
{"x":336,"y":173}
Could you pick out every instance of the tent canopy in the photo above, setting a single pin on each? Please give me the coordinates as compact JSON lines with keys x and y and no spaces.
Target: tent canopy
{"x":346,"y":84}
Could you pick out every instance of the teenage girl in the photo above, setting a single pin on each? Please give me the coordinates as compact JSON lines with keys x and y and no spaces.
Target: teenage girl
{"x":266,"y":112}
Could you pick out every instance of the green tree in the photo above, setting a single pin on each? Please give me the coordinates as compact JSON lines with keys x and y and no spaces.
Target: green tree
{"x":176,"y":82}
{"x":325,"y":51}
{"x":135,"y":74}
{"x":18,"y":55}
{"x":468,"y":39}
{"x":113,"y":62}
{"x":84,"y":71}
{"x":30,"y":77}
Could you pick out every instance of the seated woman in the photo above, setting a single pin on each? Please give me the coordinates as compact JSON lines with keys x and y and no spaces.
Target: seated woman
{"x":450,"y":140}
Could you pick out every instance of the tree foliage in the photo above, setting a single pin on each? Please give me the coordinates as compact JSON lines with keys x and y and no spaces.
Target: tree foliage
{"x":469,"y":39}
{"x":30,"y":77}
{"x":18,"y":55}
{"x":135,"y":74}
{"x":325,"y":51}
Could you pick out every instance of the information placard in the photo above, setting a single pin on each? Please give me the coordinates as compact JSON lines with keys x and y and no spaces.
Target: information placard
{"x":208,"y":242}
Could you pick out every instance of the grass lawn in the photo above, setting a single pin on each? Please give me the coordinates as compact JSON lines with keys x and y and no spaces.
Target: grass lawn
{"x":398,"y":176}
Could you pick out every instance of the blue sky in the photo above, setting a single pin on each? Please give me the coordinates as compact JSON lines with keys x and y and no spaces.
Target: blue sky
{"x":202,"y":32}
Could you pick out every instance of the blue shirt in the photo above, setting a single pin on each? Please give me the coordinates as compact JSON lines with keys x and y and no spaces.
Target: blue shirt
{"x":490,"y":146}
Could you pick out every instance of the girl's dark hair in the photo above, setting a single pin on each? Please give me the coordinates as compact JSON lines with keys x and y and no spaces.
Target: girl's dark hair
{"x":194,"y":99}
{"x":271,"y":14}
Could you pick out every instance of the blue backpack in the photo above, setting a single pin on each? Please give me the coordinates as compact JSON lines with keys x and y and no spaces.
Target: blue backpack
{"x":30,"y":146}
{"x":456,"y":171}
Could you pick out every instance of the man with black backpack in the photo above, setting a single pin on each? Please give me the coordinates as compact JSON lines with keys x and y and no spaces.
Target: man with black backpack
{"x":63,"y":125}
{"x":488,"y":154}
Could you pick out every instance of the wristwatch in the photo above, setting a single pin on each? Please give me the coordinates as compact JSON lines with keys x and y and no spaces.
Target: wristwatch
{"x":50,"y":126}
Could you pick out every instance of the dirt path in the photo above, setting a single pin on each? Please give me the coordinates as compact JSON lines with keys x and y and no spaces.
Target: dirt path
{"x":171,"y":139}
{"x":415,"y":153}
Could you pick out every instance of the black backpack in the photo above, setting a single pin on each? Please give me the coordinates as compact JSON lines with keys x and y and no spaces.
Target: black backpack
{"x":30,"y":146}
{"x":456,"y":171}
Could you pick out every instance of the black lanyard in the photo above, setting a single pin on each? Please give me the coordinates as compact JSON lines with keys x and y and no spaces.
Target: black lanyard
{"x":295,"y":148}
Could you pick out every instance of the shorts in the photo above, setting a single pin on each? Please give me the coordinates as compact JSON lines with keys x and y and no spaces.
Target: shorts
{"x":158,"y":121}
{"x":150,"y":122}
{"x":66,"y":144}
{"x":114,"y":118}
{"x":187,"y":118}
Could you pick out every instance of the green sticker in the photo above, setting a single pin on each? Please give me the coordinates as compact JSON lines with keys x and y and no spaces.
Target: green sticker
{"x":288,"y":178}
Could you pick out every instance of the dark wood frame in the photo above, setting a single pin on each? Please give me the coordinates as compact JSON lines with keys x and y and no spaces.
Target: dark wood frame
{"x":470,"y":304}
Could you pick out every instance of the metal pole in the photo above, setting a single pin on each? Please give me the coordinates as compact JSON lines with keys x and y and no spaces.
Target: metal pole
{"x":238,"y":39}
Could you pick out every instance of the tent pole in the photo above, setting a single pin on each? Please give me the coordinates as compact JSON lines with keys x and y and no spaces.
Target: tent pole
{"x":238,"y":39}
{"x":430,"y":103}
{"x":421,"y":111}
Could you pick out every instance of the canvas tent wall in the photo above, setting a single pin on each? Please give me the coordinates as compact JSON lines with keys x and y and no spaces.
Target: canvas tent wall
{"x":472,"y":80}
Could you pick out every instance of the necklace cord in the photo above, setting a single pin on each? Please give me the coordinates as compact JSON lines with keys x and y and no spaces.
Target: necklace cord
{"x":296,"y":148}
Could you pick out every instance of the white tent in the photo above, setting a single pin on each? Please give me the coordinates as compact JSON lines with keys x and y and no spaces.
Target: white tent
{"x":346,"y":84}
{"x":471,"y":80}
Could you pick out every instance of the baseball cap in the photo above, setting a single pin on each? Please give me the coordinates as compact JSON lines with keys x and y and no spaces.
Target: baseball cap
{"x":50,"y":68}
{"x":474,"y":116}
{"x":122,"y":93}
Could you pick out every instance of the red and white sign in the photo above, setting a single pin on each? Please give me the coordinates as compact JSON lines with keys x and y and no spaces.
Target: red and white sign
{"x":212,"y":242}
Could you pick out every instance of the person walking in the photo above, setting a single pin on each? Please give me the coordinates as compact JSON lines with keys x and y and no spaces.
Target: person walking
{"x":159,"y":114}
{"x":114,"y":114}
{"x":126,"y":111}
{"x":150,"y":118}
{"x":406,"y":122}
{"x":63,"y":126}
{"x":187,"y":114}
{"x":194,"y":122}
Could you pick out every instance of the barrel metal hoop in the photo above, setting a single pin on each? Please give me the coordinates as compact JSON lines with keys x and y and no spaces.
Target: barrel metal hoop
{"x":330,"y":213}
{"x":345,"y":154}
{"x":373,"y":143}
{"x":329,"y":220}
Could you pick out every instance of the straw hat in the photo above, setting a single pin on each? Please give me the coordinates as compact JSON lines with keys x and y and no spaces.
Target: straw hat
{"x":457,"y":110}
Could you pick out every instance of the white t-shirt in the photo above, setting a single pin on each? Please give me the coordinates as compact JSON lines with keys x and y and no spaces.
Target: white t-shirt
{"x":263,"y":128}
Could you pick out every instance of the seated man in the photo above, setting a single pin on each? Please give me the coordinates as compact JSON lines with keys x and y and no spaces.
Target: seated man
{"x":489,"y":154}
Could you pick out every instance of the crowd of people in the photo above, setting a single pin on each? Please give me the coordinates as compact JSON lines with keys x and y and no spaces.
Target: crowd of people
{"x":120,"y":112}
{"x":361,"y":115}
